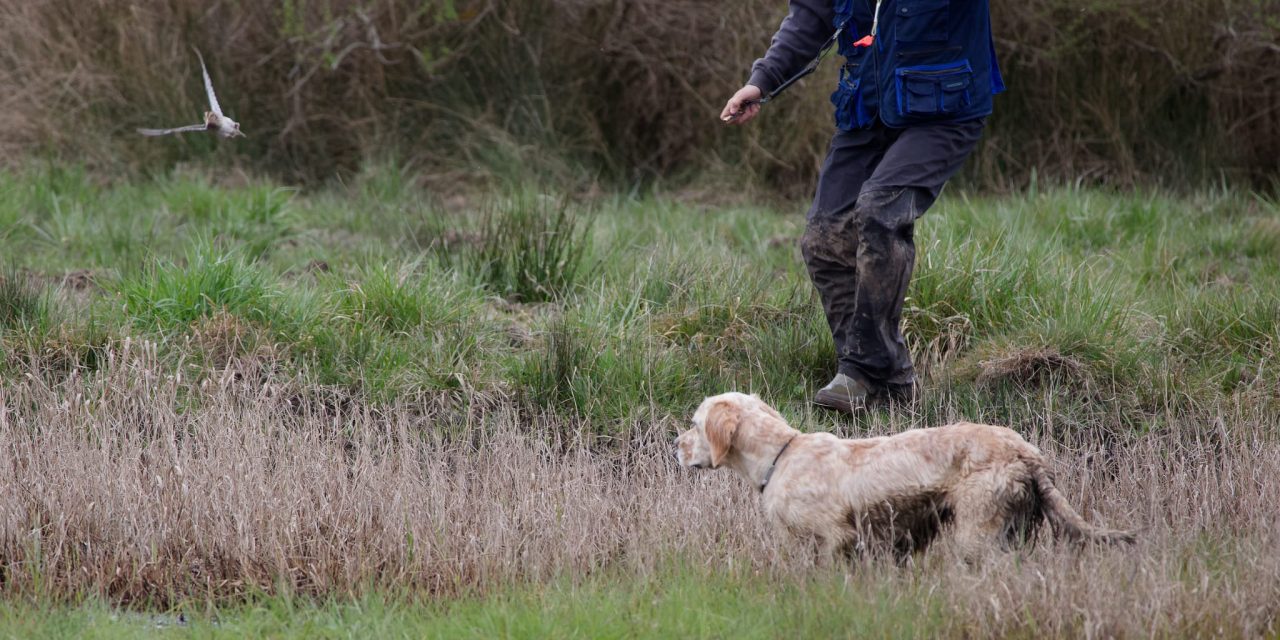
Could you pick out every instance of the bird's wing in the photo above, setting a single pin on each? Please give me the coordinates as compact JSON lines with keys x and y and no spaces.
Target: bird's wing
{"x":208,"y":85}
{"x":165,"y":132}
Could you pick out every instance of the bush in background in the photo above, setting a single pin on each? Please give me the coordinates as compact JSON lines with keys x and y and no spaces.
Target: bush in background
{"x":625,"y":90}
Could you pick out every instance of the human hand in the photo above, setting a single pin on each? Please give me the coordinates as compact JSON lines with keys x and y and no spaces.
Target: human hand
{"x":743,"y":106}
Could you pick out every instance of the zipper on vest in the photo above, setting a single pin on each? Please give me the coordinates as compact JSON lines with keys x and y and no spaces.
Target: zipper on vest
{"x":875,"y":59}
{"x":934,"y":72}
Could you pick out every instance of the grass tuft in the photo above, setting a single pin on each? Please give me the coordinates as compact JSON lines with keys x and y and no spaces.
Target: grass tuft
{"x":531,"y":249}
{"x":23,"y":305}
{"x":407,"y":300}
{"x":170,"y":295}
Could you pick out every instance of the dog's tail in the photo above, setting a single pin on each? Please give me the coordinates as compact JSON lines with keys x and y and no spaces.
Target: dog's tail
{"x":1065,"y":521}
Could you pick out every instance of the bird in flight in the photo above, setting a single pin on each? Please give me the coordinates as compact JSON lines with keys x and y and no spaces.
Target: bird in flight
{"x":214,"y":120}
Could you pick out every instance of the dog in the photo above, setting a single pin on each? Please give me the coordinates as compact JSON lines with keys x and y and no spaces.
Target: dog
{"x":985,"y":484}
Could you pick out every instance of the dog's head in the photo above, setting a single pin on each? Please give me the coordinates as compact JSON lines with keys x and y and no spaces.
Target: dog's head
{"x":721,"y":424}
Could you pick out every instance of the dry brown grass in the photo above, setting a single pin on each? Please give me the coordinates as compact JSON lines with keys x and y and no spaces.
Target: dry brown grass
{"x":1029,"y":366}
{"x":138,"y":485}
{"x":142,"y":486}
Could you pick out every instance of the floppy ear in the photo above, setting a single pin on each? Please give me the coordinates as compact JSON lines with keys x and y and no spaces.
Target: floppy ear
{"x":722,"y":424}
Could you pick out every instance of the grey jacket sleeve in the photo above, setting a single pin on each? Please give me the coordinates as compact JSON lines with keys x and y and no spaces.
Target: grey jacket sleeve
{"x":805,"y":28}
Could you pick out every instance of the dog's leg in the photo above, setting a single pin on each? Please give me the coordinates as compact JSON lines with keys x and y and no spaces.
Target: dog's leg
{"x":979,"y":520}
{"x":830,"y":551}
{"x":838,"y":549}
{"x":973,"y":539}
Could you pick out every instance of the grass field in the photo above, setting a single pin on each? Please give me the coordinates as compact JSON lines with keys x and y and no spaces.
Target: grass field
{"x":375,"y":410}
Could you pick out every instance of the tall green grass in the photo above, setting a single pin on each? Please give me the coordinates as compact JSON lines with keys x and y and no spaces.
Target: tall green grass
{"x":23,"y":305}
{"x":627,"y":307}
{"x":530,"y":250}
{"x":172,"y":295}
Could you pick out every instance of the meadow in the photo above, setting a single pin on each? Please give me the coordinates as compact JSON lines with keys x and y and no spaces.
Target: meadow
{"x":384,"y":408}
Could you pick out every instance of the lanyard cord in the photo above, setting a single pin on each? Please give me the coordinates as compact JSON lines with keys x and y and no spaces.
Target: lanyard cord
{"x":868,"y":40}
{"x":865,"y":41}
{"x":808,"y":69}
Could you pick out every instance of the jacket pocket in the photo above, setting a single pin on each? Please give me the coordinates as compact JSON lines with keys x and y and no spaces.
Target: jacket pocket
{"x":850,"y":113}
{"x":922,"y":21}
{"x":934,"y":89}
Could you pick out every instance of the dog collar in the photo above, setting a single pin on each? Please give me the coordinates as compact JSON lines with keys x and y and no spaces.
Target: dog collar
{"x":769,"y":474}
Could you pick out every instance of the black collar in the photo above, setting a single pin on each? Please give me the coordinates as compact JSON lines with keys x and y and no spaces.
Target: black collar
{"x":769,"y":474}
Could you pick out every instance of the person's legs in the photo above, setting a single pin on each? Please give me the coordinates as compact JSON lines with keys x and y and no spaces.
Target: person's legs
{"x":830,"y":242}
{"x":875,"y":350}
{"x":904,"y":184}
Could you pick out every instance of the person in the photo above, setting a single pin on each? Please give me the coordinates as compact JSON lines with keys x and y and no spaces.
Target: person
{"x":910,"y":106}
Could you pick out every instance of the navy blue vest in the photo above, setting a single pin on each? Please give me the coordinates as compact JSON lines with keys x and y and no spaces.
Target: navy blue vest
{"x":932,"y":61}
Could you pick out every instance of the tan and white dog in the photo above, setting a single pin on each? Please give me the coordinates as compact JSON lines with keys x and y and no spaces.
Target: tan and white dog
{"x":893,"y":493}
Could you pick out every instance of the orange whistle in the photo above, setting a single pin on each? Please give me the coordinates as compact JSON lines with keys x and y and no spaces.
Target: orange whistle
{"x":865,"y":41}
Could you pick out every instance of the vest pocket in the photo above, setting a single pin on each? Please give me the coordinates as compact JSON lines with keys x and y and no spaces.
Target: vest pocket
{"x":934,"y":89}
{"x":850,"y":113}
{"x":922,"y":21}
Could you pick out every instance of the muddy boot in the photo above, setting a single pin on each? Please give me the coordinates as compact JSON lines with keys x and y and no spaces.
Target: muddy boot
{"x":843,"y":394}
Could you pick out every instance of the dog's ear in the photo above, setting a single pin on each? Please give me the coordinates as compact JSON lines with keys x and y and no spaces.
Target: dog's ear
{"x":722,"y":424}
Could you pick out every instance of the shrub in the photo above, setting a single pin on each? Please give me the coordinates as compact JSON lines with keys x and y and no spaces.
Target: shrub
{"x":1116,"y":92}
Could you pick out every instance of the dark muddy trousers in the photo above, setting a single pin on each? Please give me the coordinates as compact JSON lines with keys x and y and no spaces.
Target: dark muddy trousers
{"x":858,"y":243}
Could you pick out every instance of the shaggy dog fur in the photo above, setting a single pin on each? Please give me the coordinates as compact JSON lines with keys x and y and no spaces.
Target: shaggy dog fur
{"x":896,"y":493}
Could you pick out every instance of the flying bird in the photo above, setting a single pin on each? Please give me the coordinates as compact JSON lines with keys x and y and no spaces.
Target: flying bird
{"x":214,"y":120}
